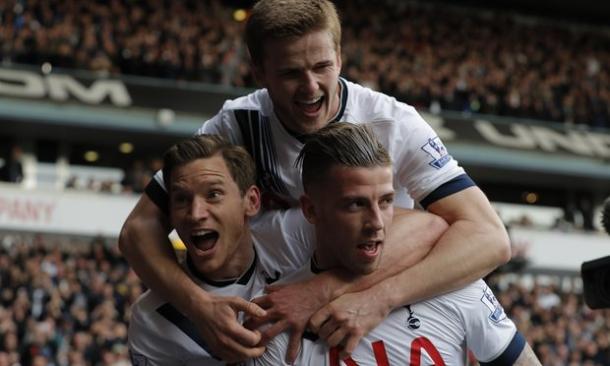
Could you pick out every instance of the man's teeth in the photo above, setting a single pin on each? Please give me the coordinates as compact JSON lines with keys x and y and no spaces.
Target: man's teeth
{"x":311,"y":101}
{"x":370,"y":246}
{"x":202,"y":232}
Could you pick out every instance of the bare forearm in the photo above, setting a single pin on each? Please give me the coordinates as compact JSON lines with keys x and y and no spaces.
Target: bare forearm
{"x":464,"y":254}
{"x":527,"y":357}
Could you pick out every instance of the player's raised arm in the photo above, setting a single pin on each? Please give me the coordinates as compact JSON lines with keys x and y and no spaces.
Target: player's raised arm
{"x":527,"y":357}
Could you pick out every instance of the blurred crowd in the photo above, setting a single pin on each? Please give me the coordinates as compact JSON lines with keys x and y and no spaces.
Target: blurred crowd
{"x":65,"y":301}
{"x":432,"y":56}
{"x":561,"y":329}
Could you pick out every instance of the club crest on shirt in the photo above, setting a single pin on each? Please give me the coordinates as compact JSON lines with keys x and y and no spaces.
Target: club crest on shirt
{"x":412,"y":321}
{"x":438,"y":152}
{"x":496,"y":311}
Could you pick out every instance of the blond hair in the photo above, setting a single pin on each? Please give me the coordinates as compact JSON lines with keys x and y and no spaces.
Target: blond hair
{"x":280,"y":19}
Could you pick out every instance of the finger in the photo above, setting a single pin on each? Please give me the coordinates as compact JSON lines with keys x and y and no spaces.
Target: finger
{"x":319,"y":318}
{"x":275,"y":329}
{"x":263,"y":301}
{"x":336,"y":337}
{"x":294,"y":345}
{"x":327,"y":329}
{"x":255,"y":323}
{"x":249,"y":308}
{"x":238,"y":333}
{"x":351,"y":343}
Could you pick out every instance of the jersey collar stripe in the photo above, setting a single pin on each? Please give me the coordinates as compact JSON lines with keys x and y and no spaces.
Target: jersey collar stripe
{"x":342,"y":100}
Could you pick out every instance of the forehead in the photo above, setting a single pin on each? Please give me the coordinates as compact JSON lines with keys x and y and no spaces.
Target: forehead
{"x":206,"y":170}
{"x":347,"y":181}
{"x":313,"y":46}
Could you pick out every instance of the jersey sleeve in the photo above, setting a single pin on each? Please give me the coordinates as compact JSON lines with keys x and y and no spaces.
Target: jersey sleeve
{"x":224,"y":124}
{"x":490,"y":334}
{"x":422,"y":164}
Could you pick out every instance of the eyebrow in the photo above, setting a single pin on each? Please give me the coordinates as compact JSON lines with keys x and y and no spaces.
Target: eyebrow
{"x":211,"y":182}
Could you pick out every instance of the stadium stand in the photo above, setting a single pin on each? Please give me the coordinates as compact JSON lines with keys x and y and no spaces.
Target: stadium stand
{"x":438,"y":57}
{"x":83,"y":77}
{"x":551,"y":313}
{"x":64,"y":301}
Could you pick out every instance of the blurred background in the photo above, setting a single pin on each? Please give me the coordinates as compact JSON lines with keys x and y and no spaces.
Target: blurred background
{"x":93,"y":92}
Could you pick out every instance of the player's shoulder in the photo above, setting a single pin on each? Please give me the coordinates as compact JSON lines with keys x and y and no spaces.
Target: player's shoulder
{"x":467,"y":296}
{"x":284,"y":239}
{"x":226,"y":120}
{"x":367,"y":105}
{"x":258,"y":100}
{"x":472,"y":291}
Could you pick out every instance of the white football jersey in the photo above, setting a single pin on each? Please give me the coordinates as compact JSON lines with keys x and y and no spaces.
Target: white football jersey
{"x":437,"y":332}
{"x":423,"y":169}
{"x":160,"y":335}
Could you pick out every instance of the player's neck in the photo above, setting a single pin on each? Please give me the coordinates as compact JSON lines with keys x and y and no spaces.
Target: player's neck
{"x":322,"y":260}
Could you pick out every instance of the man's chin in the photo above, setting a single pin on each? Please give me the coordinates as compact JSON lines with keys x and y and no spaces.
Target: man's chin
{"x":309,"y":126}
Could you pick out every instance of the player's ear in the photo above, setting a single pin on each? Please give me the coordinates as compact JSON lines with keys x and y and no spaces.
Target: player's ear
{"x":252,"y":201}
{"x":308,"y":208}
{"x":339,"y":60}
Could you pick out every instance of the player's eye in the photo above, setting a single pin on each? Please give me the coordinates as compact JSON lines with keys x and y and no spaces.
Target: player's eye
{"x":214,"y":195}
{"x":355,"y":205}
{"x":322,"y":67}
{"x":180,"y":198}
{"x":292,"y":73}
{"x":386,"y":202}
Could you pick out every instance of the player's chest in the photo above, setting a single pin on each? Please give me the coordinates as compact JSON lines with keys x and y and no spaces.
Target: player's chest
{"x":413,"y":336}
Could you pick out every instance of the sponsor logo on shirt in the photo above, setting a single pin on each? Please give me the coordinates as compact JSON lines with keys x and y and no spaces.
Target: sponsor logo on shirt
{"x":496,"y":311}
{"x":437,"y":151}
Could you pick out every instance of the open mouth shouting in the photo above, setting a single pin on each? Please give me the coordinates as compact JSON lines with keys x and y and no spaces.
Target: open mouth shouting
{"x":370,"y":249}
{"x":310,"y":107}
{"x":204,"y":240}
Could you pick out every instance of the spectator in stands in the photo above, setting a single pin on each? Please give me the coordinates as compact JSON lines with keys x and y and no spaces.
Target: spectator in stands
{"x":47,"y":315}
{"x":495,"y":64}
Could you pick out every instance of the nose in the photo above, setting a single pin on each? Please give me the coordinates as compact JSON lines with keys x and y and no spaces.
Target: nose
{"x":309,"y":83}
{"x":374,"y":221}
{"x":199,"y":209}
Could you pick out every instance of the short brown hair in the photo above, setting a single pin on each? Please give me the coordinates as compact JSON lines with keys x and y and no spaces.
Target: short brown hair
{"x":340,"y":143}
{"x":240,"y":164}
{"x":278,"y":19}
